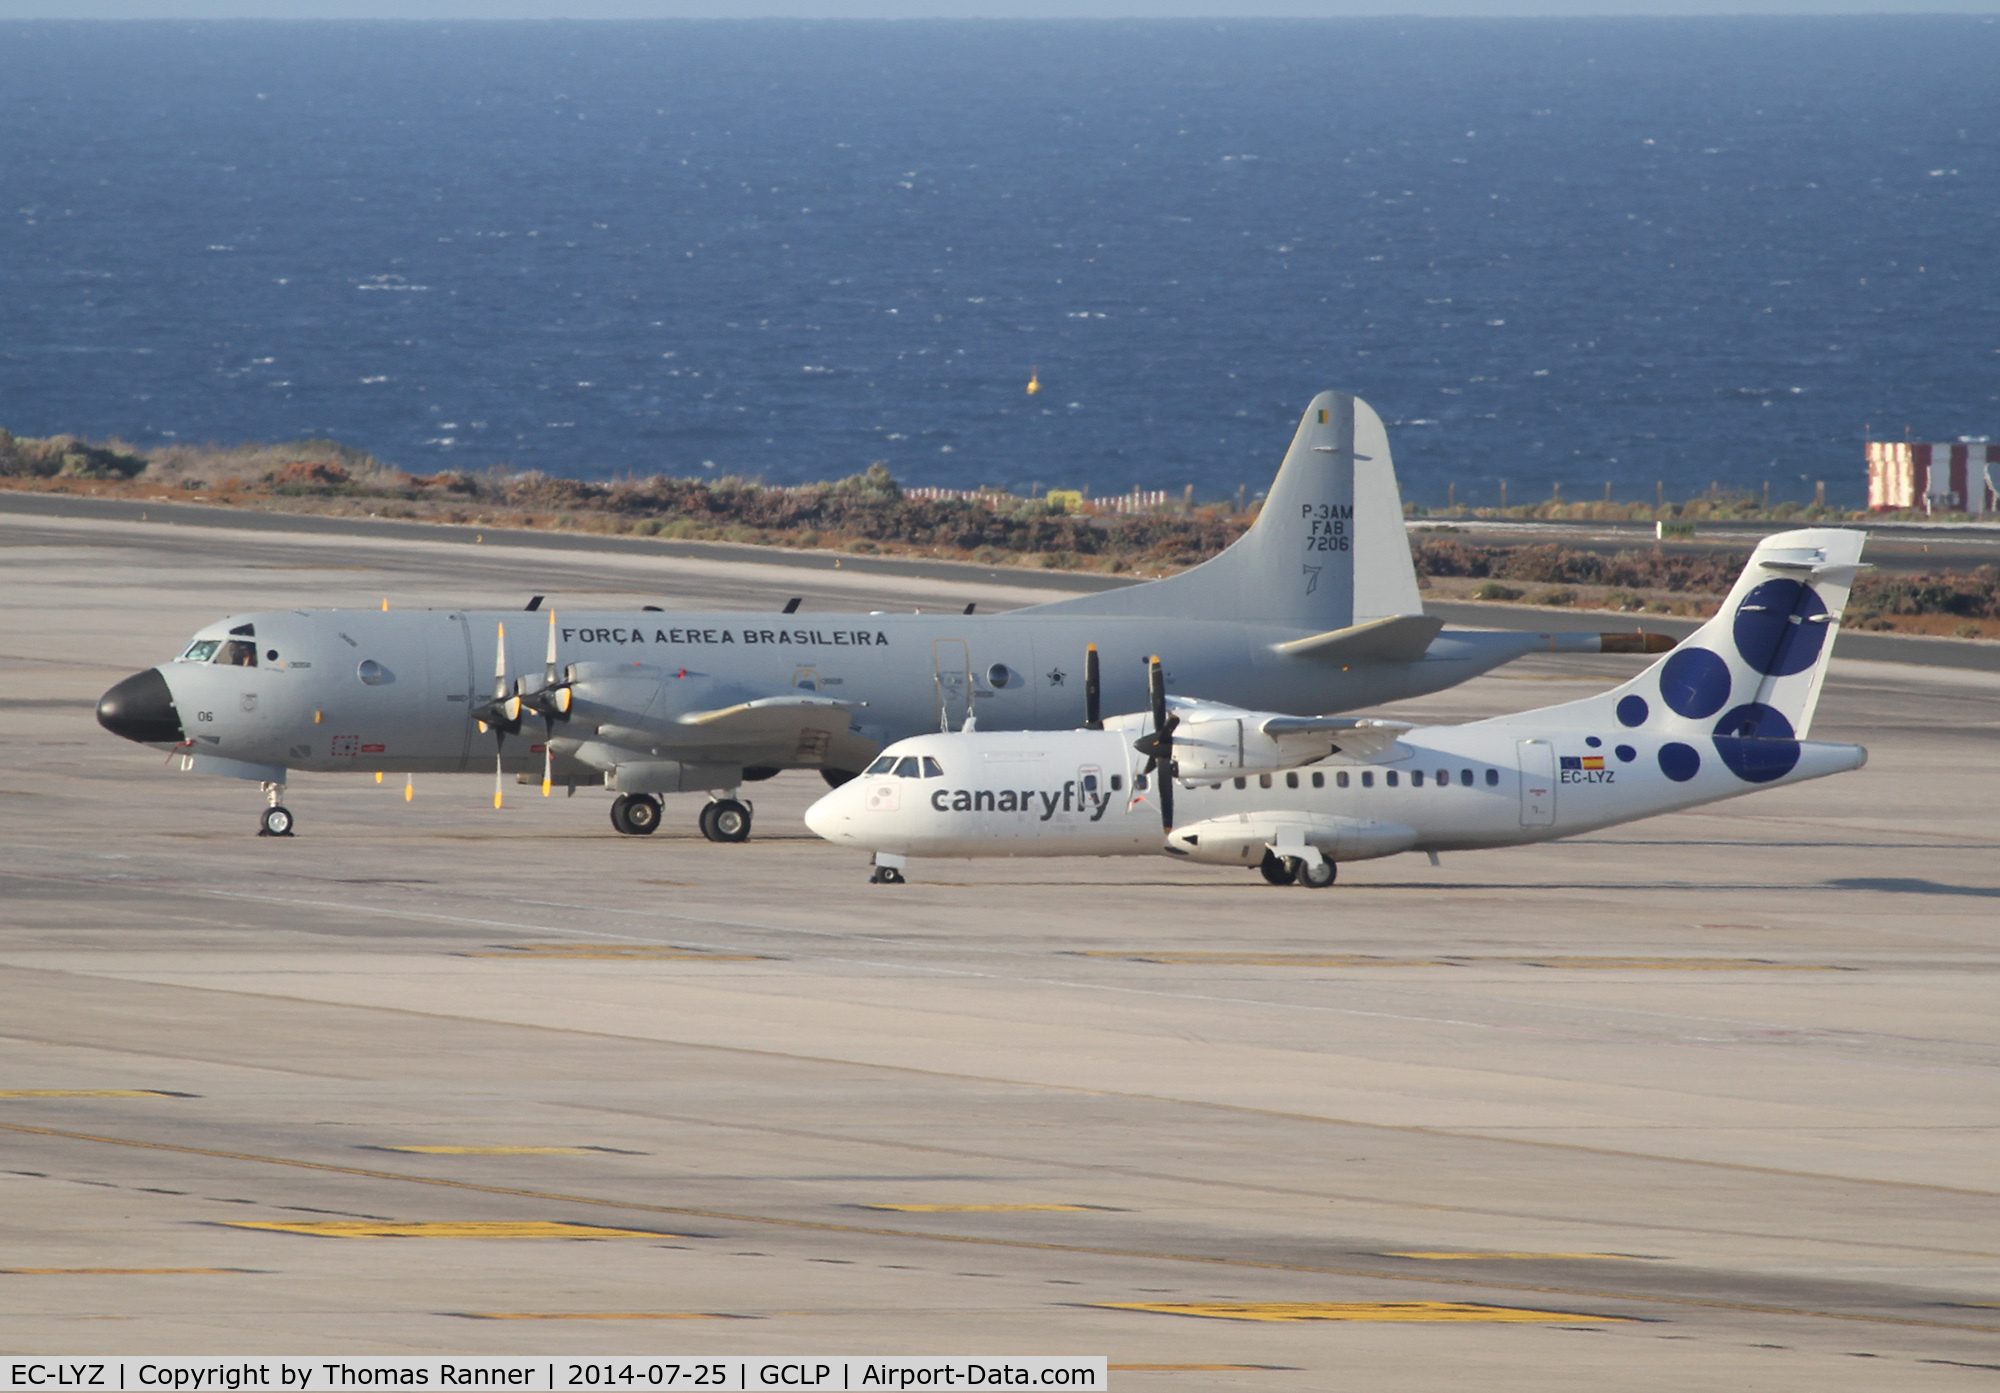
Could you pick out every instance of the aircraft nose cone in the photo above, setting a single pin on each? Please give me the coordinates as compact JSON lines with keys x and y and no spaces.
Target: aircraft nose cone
{"x":823,"y":819}
{"x":141,"y":708}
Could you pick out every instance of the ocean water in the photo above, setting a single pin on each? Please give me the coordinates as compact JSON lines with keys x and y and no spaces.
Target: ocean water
{"x":1564,"y":252}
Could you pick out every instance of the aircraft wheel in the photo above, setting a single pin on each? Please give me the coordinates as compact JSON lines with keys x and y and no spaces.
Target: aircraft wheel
{"x":642,"y":814}
{"x":618,"y":807}
{"x":886,"y":875}
{"x":1318,"y":875}
{"x":276,"y":822}
{"x":1278,"y":871}
{"x":725,"y":820}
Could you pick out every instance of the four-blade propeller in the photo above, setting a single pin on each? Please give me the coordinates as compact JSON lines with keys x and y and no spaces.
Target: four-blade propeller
{"x":503,"y":713}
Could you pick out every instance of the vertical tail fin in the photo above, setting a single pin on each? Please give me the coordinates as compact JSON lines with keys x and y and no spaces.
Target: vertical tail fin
{"x":1751,"y":674}
{"x":1327,"y":551}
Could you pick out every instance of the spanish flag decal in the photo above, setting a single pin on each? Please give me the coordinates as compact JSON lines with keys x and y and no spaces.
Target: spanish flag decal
{"x":1593,"y":761}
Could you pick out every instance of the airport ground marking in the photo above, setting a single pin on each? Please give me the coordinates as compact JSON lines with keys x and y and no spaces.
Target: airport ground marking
{"x":492,"y":1150}
{"x":1608,"y":964}
{"x":995,"y":1208}
{"x":1398,"y":1311}
{"x":633,"y":952}
{"x":978,"y":1240}
{"x":93,"y":1093}
{"x":120,"y":1271}
{"x":1567,"y":1257}
{"x":471,"y":1228}
{"x":599,"y":1315}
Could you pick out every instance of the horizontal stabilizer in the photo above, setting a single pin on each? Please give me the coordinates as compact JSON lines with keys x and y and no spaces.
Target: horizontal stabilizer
{"x":1641,"y":642}
{"x":1400,"y":638}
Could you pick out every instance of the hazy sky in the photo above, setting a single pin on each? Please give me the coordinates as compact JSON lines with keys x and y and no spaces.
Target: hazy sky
{"x":942,"y":9}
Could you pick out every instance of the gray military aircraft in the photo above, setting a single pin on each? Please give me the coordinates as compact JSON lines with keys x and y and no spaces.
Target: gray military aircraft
{"x":1314,"y":609}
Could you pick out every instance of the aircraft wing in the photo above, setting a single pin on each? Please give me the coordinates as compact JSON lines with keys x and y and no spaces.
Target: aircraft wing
{"x":1400,"y":638}
{"x":766,"y":716}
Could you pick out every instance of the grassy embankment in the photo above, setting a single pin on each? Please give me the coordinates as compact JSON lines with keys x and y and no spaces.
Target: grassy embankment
{"x":868,"y":514}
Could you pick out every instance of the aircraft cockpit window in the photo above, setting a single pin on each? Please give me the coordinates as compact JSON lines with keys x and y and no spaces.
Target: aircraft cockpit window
{"x":882,"y":765}
{"x":908,"y":768}
{"x":932,"y":769}
{"x":201,"y":650}
{"x":237,"y":653}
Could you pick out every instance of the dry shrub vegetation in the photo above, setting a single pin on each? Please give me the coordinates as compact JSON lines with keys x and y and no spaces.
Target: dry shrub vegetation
{"x":867,"y":513}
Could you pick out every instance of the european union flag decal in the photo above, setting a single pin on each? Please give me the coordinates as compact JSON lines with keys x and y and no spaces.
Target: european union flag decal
{"x":1571,"y":762}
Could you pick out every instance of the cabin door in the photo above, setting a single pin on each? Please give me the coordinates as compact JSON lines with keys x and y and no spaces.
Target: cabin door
{"x":1538,"y":783}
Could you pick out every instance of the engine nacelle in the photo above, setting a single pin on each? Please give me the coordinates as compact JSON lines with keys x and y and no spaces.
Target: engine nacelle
{"x":1243,"y":839}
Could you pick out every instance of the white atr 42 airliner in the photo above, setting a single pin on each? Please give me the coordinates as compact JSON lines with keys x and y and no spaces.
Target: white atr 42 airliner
{"x":1292,"y":796}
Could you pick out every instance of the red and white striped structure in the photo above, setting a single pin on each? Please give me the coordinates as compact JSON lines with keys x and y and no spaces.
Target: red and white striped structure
{"x":1937,"y":478}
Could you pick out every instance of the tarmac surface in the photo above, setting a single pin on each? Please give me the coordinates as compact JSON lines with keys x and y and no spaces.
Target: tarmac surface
{"x":1708,"y":1101}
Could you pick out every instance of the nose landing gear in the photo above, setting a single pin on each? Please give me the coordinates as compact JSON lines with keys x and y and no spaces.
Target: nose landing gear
{"x":277,"y":818}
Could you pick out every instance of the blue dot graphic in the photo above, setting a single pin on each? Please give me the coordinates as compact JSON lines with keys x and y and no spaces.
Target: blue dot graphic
{"x":1592,"y":741}
{"x":1755,"y":743}
{"x":1626,"y":754}
{"x":1632,"y":711}
{"x":1679,"y":762}
{"x":1777,"y":627}
{"x":1694,"y":683}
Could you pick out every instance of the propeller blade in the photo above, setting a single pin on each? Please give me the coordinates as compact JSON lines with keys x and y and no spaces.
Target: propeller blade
{"x":500,"y":666}
{"x":1093,"y":717}
{"x":498,"y":777}
{"x":548,"y":767}
{"x":549,"y":665}
{"x":1162,"y":753}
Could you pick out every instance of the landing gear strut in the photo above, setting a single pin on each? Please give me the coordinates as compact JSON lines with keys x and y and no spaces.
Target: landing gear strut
{"x":888,"y":869}
{"x":636,"y":814}
{"x":277,"y":818}
{"x":1278,"y":870}
{"x":726,"y":820}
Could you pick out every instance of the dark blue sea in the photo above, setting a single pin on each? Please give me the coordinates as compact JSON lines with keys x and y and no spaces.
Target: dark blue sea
{"x":1548,"y":251}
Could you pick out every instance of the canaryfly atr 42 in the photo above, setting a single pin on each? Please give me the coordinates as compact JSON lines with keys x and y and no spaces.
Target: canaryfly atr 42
{"x":1315,"y":608}
{"x":1725,"y":714}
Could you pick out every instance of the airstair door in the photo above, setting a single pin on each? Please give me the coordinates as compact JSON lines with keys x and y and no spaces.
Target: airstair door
{"x":1538,"y":783}
{"x":954,"y":682}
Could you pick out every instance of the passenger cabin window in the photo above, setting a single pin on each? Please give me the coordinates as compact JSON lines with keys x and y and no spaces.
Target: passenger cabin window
{"x":1291,"y":781}
{"x":1465,"y":777}
{"x":1319,"y":780}
{"x":202,"y":651}
{"x":1089,"y":782}
{"x":908,"y":768}
{"x":1138,"y":783}
{"x":882,"y":765}
{"x":1117,"y":782}
{"x":1368,"y":778}
{"x":932,"y":769}
{"x":1243,"y":783}
{"x":237,"y":653}
{"x":1390,"y":778}
{"x":1340,"y":778}
{"x":1444,"y":778}
{"x":1263,"y":781}
{"x":1416,"y":778}
{"x":1492,"y":778}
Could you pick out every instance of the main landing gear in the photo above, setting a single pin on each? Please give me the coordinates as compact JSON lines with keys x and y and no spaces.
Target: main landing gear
{"x":726,"y":820}
{"x":277,"y":818}
{"x":639,"y":814}
{"x":1296,"y":870}
{"x":636,"y":814}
